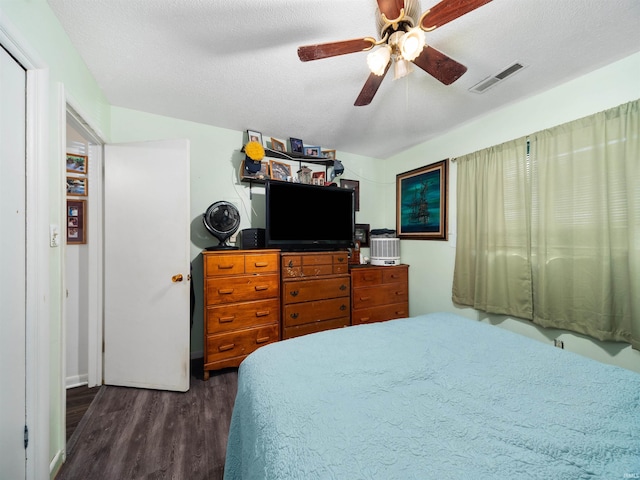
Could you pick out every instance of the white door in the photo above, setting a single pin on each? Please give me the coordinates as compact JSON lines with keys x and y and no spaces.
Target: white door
{"x":146,"y":251}
{"x":13,"y":267}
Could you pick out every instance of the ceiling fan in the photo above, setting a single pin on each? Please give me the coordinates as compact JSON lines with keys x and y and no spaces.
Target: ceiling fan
{"x":401,"y":29}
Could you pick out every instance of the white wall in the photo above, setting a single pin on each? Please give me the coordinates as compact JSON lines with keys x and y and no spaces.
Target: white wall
{"x":431,"y":262}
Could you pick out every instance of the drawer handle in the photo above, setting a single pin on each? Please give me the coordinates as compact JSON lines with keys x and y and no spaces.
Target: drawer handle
{"x":343,"y":307}
{"x":261,"y":264}
{"x":364,"y":319}
{"x":290,"y":263}
{"x":228,"y":346}
{"x":226,"y":319}
{"x":264,"y":313}
{"x":225,"y":267}
{"x":393,"y":275}
{"x":400,"y":312}
{"x":341,"y":259}
{"x":294,"y":293}
{"x":262,"y":339}
{"x":343,"y":287}
{"x":260,"y":288}
{"x":226,"y":291}
{"x":400,"y":293}
{"x":364,"y":299}
{"x":294,"y":315}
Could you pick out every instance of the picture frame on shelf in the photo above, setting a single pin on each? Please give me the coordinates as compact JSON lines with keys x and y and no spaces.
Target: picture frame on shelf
{"x":77,"y":163}
{"x":354,"y":185}
{"x":296,"y":145}
{"x":279,"y":170}
{"x":262,"y":173}
{"x":76,"y":222}
{"x":77,"y":186}
{"x":318,"y":178}
{"x":312,"y":151}
{"x":362,"y":234}
{"x":330,"y":154}
{"x":277,"y":145}
{"x":422,"y":202}
{"x":254,"y":136}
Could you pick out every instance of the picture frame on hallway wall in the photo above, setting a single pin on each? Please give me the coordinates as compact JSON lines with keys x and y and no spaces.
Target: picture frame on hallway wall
{"x":77,"y":164}
{"x":76,"y":222}
{"x":422,"y":202}
{"x":77,"y":186}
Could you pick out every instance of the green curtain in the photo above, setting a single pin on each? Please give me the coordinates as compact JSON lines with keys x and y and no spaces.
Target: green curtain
{"x":554,"y":235}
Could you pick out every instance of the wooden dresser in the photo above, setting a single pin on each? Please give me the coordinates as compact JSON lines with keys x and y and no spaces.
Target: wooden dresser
{"x":379,"y":293}
{"x":315,"y":292}
{"x":241,"y":304}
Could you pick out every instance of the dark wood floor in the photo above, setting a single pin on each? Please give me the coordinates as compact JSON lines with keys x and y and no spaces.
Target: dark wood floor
{"x":131,"y":433}
{"x":78,"y":401}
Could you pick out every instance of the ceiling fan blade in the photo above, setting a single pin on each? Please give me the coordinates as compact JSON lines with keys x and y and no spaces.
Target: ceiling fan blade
{"x":448,"y":10}
{"x":371,"y":87}
{"x":390,"y":8}
{"x":332,"y":49}
{"x":440,"y":66}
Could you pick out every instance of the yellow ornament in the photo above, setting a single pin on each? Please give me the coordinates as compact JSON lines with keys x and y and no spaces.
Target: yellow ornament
{"x":254,"y":151}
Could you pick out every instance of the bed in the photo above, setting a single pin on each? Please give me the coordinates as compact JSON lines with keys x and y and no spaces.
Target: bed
{"x":436,"y":396}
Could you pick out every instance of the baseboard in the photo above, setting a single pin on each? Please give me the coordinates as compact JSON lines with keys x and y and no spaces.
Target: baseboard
{"x":56,"y":463}
{"x":77,"y":380}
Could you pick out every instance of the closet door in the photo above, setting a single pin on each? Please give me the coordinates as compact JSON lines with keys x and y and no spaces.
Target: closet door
{"x":13,"y":267}
{"x":147,"y":251}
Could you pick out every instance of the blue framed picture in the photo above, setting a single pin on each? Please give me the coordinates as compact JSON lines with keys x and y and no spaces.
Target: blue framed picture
{"x":422,"y":201}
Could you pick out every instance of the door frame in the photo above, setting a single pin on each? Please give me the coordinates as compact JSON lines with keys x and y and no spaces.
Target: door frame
{"x":37,"y":252}
{"x":68,"y":107}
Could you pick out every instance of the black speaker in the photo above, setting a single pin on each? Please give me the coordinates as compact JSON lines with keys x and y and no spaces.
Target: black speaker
{"x":251,"y":238}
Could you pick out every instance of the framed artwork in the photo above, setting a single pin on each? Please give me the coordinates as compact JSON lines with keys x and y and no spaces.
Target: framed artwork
{"x":277,"y":145}
{"x":354,"y":185}
{"x":77,"y":186}
{"x":253,"y":136}
{"x":422,"y":201}
{"x":279,"y":171}
{"x":296,"y":145}
{"x":76,"y":222}
{"x":312,"y":151}
{"x":362,"y":234}
{"x":77,"y":163}
{"x":329,"y":154}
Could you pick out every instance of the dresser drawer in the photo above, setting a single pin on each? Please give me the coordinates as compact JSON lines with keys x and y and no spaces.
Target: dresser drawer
{"x":364,"y":297}
{"x":261,"y":263}
{"x":298,"y":330}
{"x":223,"y":265}
{"x":379,"y":314}
{"x":241,"y":288}
{"x":341,"y":258}
{"x":224,"y":318}
{"x":307,"y":290}
{"x":365,"y":276}
{"x":309,"y":312}
{"x":239,"y":343}
{"x":395,"y":275}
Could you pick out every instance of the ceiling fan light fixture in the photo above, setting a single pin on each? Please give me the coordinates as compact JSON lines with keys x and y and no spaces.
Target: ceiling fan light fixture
{"x":411,"y":44}
{"x":377,"y":60}
{"x":401,"y":68}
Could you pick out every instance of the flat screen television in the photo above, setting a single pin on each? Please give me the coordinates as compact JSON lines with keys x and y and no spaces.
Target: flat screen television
{"x":308,"y":217}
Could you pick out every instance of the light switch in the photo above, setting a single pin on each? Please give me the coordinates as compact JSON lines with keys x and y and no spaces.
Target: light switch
{"x":54,"y":235}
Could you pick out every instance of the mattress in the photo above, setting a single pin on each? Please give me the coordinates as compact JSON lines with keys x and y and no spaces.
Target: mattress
{"x":437,"y":396}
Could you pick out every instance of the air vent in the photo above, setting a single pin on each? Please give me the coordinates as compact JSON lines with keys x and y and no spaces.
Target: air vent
{"x":489,"y":82}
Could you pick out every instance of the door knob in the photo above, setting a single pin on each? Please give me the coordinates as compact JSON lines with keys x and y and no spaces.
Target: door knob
{"x":176,"y":278}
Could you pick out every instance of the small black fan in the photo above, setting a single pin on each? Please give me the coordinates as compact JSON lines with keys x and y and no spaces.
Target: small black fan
{"x":222,"y":219}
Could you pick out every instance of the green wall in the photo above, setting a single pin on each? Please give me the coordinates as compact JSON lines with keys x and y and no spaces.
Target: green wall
{"x":431,"y":271}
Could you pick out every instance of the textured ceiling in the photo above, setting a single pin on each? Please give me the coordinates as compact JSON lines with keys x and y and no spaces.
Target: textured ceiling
{"x":234,"y":64}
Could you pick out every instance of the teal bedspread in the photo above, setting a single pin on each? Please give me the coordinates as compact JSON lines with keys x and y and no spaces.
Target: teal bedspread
{"x":437,"y":396}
